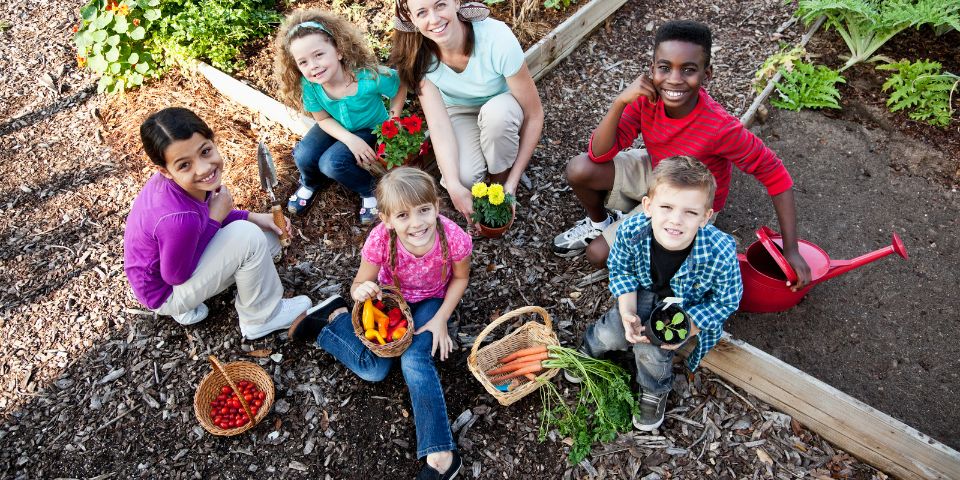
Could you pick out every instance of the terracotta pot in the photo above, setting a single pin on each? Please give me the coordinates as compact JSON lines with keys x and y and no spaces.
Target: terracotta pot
{"x":415,"y":160}
{"x":491,"y":232}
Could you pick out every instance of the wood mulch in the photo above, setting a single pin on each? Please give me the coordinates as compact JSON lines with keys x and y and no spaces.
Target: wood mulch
{"x":94,"y":386}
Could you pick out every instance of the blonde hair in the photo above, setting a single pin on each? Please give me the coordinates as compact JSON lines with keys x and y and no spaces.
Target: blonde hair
{"x":681,"y":171}
{"x":403,"y":188}
{"x":348,"y":41}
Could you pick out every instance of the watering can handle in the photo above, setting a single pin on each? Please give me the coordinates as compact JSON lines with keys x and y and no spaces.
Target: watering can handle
{"x":766,"y":236}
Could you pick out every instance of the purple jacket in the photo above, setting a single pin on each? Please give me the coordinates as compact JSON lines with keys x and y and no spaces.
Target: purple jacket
{"x":167,"y":231}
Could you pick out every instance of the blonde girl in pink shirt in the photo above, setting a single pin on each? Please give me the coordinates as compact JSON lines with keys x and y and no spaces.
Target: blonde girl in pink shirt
{"x":428,"y":255}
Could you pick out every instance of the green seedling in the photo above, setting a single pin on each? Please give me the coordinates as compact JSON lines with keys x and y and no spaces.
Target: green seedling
{"x":668,"y":329}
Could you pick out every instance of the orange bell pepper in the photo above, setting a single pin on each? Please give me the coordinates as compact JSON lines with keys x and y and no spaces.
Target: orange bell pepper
{"x":374,"y":335}
{"x":398,"y":333}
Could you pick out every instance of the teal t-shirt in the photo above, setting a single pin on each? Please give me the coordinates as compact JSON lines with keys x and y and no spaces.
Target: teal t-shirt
{"x":362,"y":110}
{"x":496,"y":55}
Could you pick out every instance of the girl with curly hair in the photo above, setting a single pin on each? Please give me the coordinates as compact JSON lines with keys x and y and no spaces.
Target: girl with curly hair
{"x":325,"y":68}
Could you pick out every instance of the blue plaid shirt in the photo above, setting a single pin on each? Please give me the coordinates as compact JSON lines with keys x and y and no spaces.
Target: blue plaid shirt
{"x":708,"y":281}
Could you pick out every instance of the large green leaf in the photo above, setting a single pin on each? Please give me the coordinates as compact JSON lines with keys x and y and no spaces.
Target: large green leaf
{"x":112,"y":55}
{"x":142,"y":67}
{"x":113,"y":40}
{"x":152,"y":14}
{"x":133,"y":58}
{"x":97,"y":63}
{"x":121,"y":25}
{"x":99,"y":35}
{"x":138,"y":33}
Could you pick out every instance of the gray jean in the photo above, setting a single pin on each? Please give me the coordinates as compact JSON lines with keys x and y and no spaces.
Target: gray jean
{"x":654,"y":364}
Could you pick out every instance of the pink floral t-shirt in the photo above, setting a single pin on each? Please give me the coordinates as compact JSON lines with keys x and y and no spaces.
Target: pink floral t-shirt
{"x":419,"y":277}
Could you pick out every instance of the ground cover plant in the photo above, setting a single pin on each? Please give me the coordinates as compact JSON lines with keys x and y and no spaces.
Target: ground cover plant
{"x":807,"y":86}
{"x":923,"y":89}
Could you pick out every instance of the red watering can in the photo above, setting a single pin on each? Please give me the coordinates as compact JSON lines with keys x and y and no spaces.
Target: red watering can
{"x":765,"y":270}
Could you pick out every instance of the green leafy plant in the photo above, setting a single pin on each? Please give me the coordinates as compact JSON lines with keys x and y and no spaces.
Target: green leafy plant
{"x":922,"y":88}
{"x":668,"y":329}
{"x":784,"y":59}
{"x":115,"y":40}
{"x":865,"y":25}
{"x":398,"y":139}
{"x":492,"y":206}
{"x":129,"y":41}
{"x":604,"y":407}
{"x":808,"y":86}
{"x":557,"y":4}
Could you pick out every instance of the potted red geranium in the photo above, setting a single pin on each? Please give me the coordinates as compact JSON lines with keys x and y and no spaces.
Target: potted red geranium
{"x":401,"y":141}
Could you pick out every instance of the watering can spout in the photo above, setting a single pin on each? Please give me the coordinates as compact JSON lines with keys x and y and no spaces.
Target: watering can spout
{"x":839,"y":267}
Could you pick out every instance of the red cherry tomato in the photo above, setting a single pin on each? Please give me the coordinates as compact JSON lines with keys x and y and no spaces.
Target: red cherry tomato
{"x":225,"y":389}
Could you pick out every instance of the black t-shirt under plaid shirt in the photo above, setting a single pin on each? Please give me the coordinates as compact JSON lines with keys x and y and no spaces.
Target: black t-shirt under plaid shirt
{"x":663,"y":265}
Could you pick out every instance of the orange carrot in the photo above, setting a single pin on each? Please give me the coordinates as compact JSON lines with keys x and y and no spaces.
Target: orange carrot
{"x":531,"y":377}
{"x":524,"y":352}
{"x":528,"y":358}
{"x":531,"y":368}
{"x":511,"y":367}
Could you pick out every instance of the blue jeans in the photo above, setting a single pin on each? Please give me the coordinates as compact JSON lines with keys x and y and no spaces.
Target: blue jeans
{"x":319,"y":156}
{"x":426,"y":394}
{"x":654,"y":364}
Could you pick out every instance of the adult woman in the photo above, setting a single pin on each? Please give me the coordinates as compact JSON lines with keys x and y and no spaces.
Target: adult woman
{"x":481,"y":104}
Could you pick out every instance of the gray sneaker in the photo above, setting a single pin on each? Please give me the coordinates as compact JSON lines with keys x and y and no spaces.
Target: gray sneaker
{"x":192,"y":316}
{"x":652,"y":409}
{"x":575,"y":240}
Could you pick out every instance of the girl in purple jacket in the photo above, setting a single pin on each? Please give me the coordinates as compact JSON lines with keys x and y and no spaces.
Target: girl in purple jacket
{"x":184,"y":242}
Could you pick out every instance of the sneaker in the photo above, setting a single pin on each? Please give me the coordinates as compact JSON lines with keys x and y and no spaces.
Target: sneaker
{"x":571,"y":377}
{"x":288,"y":311}
{"x":652,"y":409}
{"x":317,"y":317}
{"x":430,"y":473}
{"x":575,"y":240}
{"x":192,"y":316}
{"x":368,"y":216}
{"x":300,"y":201}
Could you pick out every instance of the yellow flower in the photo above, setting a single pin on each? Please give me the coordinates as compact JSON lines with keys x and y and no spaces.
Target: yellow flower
{"x":496,"y":194}
{"x":479,"y":190}
{"x":123,"y":10}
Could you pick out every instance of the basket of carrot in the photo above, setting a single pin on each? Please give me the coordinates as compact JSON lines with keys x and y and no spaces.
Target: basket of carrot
{"x":511,"y":368}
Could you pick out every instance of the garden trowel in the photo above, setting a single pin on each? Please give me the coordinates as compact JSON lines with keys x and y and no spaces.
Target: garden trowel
{"x":268,"y":180}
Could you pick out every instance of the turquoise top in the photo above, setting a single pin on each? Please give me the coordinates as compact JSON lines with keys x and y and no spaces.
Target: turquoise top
{"x":362,"y":110}
{"x":496,"y":56}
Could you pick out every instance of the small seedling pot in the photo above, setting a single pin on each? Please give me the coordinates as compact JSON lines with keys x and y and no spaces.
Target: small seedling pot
{"x":664,"y":315}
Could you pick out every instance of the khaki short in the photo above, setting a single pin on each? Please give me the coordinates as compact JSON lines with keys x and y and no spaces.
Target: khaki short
{"x":633,"y":174}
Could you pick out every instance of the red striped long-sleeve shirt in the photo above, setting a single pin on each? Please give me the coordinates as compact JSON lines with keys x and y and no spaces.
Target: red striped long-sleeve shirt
{"x":709,"y":134}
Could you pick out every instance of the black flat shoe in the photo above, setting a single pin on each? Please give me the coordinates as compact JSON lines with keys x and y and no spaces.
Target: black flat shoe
{"x":317,"y":317}
{"x":430,"y":473}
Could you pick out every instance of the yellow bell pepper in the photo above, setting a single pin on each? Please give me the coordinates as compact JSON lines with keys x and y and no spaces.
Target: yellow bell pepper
{"x":367,"y":316}
{"x":374,"y":335}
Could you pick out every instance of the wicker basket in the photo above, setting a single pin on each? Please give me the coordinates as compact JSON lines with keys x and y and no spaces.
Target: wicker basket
{"x":391,"y":299}
{"x":528,"y":335}
{"x":230,"y":374}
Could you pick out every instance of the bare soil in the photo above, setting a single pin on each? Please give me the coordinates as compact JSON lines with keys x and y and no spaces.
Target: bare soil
{"x":94,"y":385}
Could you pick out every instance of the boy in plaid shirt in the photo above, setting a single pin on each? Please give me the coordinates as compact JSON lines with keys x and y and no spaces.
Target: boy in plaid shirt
{"x":669,"y":251}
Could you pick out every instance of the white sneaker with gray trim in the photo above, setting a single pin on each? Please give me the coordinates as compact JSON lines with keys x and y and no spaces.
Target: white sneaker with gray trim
{"x":192,"y":316}
{"x":283,"y":317}
{"x":575,"y":240}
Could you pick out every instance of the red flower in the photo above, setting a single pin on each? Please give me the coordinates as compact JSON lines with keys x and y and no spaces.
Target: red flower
{"x":76,"y":28}
{"x":389,"y":129}
{"x":381,"y":149}
{"x":413,"y":123}
{"x":136,"y":22}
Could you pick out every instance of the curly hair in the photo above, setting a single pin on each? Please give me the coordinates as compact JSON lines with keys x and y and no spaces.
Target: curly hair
{"x":348,"y":41}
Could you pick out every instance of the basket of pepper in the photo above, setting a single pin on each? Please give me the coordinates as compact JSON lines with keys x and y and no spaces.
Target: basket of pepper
{"x":510,"y":368}
{"x":384,"y":326}
{"x":232,"y":398}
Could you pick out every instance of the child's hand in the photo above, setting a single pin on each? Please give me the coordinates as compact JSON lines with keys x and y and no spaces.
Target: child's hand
{"x":361,"y":151}
{"x":641,"y":86}
{"x":366,"y":290}
{"x":220,"y":204}
{"x":441,"y":338}
{"x":265,"y":222}
{"x":632,"y":328}
{"x":693,"y":331}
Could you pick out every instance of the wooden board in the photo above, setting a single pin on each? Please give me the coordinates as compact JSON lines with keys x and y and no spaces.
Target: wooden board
{"x":855,"y":427}
{"x":541,"y":57}
{"x":561,"y":41}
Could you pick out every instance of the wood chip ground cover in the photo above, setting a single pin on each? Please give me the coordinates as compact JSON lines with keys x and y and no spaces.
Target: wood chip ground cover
{"x":93,"y":385}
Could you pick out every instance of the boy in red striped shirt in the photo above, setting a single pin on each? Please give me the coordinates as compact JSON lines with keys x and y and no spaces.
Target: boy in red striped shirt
{"x":675,"y":116}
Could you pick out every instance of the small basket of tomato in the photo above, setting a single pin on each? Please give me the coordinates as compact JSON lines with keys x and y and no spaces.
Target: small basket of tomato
{"x":384,"y":326}
{"x":233,"y":397}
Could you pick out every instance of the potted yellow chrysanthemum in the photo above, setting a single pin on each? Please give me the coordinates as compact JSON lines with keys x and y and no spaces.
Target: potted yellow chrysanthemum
{"x":493,"y":209}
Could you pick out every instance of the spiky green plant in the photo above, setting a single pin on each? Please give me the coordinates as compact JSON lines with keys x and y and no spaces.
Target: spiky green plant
{"x":923,"y":89}
{"x":808,"y":86}
{"x":865,"y":25}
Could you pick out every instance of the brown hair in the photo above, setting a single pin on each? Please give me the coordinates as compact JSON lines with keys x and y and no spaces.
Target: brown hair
{"x":413,"y":55}
{"x":348,"y":41}
{"x":402,"y":188}
{"x":681,"y":171}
